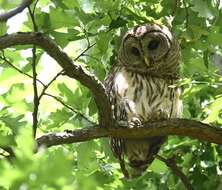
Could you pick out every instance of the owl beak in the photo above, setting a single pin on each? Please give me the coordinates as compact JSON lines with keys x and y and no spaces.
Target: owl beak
{"x":147,"y":61}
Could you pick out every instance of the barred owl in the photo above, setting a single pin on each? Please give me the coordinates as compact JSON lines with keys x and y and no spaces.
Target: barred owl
{"x":141,"y":87}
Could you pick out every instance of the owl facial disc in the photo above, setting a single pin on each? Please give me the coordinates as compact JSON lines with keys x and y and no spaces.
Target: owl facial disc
{"x":150,"y":48}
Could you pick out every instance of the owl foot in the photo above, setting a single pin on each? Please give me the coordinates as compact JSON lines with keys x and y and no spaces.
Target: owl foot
{"x":135,"y":122}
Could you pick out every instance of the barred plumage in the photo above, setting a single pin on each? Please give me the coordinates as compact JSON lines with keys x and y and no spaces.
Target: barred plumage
{"x":141,"y":87}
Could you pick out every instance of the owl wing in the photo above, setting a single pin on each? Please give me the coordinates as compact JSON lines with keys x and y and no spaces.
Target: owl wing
{"x":116,"y":143}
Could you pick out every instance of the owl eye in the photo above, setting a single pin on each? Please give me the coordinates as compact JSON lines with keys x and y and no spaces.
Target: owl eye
{"x":135,"y":51}
{"x":153,"y":44}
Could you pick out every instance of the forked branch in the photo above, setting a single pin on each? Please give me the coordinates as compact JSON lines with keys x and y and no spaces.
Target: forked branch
{"x":72,"y":70}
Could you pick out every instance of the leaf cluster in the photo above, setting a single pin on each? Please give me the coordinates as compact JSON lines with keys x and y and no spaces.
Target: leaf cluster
{"x":66,"y":104}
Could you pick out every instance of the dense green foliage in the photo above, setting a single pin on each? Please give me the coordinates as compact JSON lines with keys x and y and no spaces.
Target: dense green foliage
{"x":74,"y":24}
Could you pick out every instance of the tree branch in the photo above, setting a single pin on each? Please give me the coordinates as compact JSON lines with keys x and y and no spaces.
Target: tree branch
{"x":84,"y":51}
{"x":50,"y":82}
{"x":71,"y":69}
{"x":175,"y":7}
{"x":180,"y":127}
{"x":35,"y":91}
{"x":171,"y":163}
{"x":186,"y":13}
{"x":7,"y":15}
{"x":36,"y":99}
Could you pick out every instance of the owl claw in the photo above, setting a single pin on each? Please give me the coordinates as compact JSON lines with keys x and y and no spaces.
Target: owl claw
{"x":135,"y":123}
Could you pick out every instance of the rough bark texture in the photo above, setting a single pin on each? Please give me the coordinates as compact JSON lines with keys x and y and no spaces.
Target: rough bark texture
{"x":71,"y":69}
{"x":180,"y":127}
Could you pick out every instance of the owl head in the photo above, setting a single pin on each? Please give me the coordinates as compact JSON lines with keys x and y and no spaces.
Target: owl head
{"x":150,"y":48}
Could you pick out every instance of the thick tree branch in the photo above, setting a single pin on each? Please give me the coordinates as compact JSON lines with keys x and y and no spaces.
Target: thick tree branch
{"x":7,"y":15}
{"x":72,"y":70}
{"x":180,"y":127}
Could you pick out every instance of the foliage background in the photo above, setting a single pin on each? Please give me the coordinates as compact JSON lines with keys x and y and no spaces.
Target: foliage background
{"x":74,"y":25}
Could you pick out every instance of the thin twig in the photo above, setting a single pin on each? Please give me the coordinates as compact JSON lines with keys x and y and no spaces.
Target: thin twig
{"x":84,"y":51}
{"x":46,"y":87}
{"x":171,"y":163}
{"x":32,"y":15}
{"x":87,"y":37}
{"x":92,"y":57}
{"x":19,"y":70}
{"x":176,"y":4}
{"x":71,"y":108}
{"x":187,"y":14}
{"x":35,"y":88}
{"x":34,"y":7}
{"x":50,"y":82}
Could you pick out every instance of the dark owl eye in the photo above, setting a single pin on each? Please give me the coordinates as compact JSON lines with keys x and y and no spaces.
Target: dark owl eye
{"x":135,"y":51}
{"x":153,"y":44}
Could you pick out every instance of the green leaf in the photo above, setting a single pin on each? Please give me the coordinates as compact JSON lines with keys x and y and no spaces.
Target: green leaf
{"x":24,"y":150}
{"x":214,"y":111}
{"x":3,"y":28}
{"x":158,"y":166}
{"x":6,"y":5}
{"x":91,"y":165}
{"x":71,"y":4}
{"x":215,"y":39}
{"x":13,"y":122}
{"x":86,"y":155}
{"x":202,"y":8}
{"x":187,"y":159}
{"x":63,"y":39}
{"x":103,"y":41}
{"x":119,"y":22}
{"x":60,"y":18}
{"x":58,"y":118}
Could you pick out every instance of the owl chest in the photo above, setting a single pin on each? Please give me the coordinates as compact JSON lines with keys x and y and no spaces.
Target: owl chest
{"x":141,"y":96}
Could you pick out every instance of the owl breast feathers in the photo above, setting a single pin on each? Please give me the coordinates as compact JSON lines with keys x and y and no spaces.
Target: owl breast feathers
{"x":141,"y":87}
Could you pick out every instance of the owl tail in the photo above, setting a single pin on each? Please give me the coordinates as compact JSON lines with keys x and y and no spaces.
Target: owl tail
{"x":140,"y":165}
{"x":133,"y":149}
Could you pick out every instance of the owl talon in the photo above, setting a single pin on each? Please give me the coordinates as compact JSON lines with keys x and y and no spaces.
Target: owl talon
{"x":135,"y":123}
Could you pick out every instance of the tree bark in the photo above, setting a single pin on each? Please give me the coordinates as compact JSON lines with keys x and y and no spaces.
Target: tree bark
{"x":180,"y":127}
